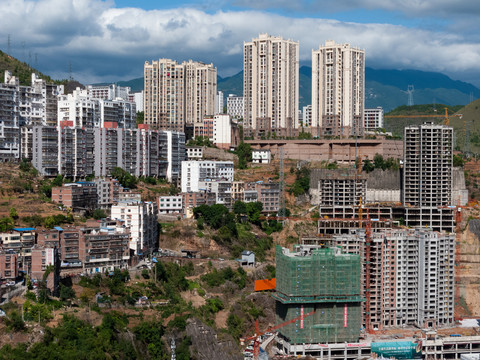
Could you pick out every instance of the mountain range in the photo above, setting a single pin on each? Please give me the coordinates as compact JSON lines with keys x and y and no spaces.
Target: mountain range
{"x":386,"y":88}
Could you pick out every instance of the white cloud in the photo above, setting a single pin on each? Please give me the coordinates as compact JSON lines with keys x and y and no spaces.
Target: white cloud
{"x":412,"y":8}
{"x":107,"y":43}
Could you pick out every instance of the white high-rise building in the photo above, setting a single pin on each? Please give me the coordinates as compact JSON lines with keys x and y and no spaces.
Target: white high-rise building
{"x":81,"y":110}
{"x":22,"y":107}
{"x":338,"y":89}
{"x":219,"y":103}
{"x":270,"y":84}
{"x":235,"y":106}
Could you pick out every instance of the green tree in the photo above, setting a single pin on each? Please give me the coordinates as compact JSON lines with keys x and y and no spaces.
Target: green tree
{"x":58,"y":181}
{"x":6,"y":224}
{"x":379,"y":162}
{"x":239,"y":207}
{"x":124,"y":178}
{"x":254,"y":210}
{"x":304,"y":135}
{"x":66,"y":293}
{"x":368,"y":166}
{"x":14,"y":322}
{"x":140,"y":117}
{"x":99,"y":214}
{"x":244,"y":153}
{"x":458,"y":161}
{"x":13,"y":213}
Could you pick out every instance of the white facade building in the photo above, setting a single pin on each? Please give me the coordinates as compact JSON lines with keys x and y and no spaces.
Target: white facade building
{"x":307,"y":115}
{"x":141,"y":219}
{"x":109,"y":92}
{"x":222,"y":131}
{"x":81,"y":110}
{"x":21,"y":106}
{"x":373,"y":119}
{"x":194,"y":152}
{"x":138,"y":99}
{"x":170,"y":205}
{"x":261,"y":156}
{"x":195,"y":171}
{"x":338,"y":89}
{"x":235,"y":106}
{"x":270,"y":83}
{"x":219,"y":103}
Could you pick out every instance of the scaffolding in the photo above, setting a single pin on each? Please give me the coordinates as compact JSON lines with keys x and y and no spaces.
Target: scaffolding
{"x":323,"y":280}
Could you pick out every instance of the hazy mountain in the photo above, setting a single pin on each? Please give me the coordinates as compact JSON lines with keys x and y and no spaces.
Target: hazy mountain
{"x":386,"y":88}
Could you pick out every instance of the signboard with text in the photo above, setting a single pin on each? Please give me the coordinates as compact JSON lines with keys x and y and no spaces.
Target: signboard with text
{"x":398,"y":349}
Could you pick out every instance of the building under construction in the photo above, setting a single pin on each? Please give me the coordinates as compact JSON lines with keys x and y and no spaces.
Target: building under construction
{"x":322,"y":280}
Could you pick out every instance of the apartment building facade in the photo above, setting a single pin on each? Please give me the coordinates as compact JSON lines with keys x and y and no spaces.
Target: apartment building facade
{"x":141,"y":219}
{"x":338,"y":89}
{"x":270,"y":85}
{"x":177,"y":95}
{"x":81,"y":109}
{"x":22,"y":106}
{"x":78,"y":152}
{"x":235,"y":106}
{"x":81,"y":195}
{"x":411,"y":276}
{"x":373,"y":119}
{"x":427,"y":176}
{"x":193,"y":172}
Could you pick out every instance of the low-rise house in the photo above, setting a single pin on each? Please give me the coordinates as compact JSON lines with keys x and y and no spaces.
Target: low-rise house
{"x":170,"y":205}
{"x":76,"y":196}
{"x":248,"y":258}
{"x":194,"y":152}
{"x":8,"y":265}
{"x":261,"y":156}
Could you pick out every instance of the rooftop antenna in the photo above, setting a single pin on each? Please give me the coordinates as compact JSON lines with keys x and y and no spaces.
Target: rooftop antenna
{"x":70,"y":74}
{"x":410,"y":92}
{"x":36,"y":61}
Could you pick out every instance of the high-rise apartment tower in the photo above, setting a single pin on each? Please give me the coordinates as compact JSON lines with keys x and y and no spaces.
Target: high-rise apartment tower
{"x":338,"y":89}
{"x":177,"y":95}
{"x":270,"y":84}
{"x":427,"y":176}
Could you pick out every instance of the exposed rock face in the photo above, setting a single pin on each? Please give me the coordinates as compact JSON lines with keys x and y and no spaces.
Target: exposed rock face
{"x":208,"y":345}
{"x":468,"y":270}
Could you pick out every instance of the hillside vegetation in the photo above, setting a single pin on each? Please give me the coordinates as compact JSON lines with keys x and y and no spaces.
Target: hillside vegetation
{"x":21,"y":70}
{"x":462,"y":118}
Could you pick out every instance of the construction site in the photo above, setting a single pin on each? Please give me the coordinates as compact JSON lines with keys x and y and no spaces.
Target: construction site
{"x":379,"y":277}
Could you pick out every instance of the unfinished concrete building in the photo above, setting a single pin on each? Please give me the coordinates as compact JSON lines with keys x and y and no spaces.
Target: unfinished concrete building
{"x":337,"y":192}
{"x":411,"y":275}
{"x":427,"y":176}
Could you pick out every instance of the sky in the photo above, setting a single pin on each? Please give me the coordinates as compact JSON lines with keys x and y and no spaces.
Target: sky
{"x":110,"y":40}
